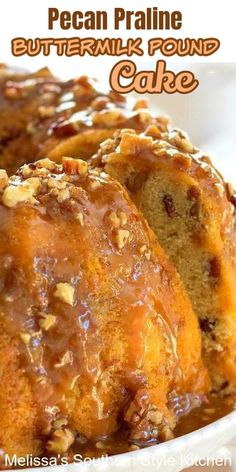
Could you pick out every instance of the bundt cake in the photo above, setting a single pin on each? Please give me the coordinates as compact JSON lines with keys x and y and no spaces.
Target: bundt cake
{"x":192,"y":212}
{"x":42,"y":116}
{"x":96,"y":328}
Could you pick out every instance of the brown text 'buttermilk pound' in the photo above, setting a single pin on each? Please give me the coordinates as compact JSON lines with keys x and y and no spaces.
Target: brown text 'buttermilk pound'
{"x":192,"y":211}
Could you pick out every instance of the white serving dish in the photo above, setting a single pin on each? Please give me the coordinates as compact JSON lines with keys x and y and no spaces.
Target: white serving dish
{"x":172,"y":456}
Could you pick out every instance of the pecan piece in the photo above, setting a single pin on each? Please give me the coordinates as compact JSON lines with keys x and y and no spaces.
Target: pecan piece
{"x":169,"y":205}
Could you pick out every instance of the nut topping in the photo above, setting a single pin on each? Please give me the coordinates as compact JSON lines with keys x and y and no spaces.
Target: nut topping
{"x":63,"y":195}
{"x":46,"y":112}
{"x":121,"y":238}
{"x":66,"y":359}
{"x":25,"y":337}
{"x":144,"y":250}
{"x":54,"y":183}
{"x":144,"y":116}
{"x":46,"y":163}
{"x":12,"y":92}
{"x":153,"y":131}
{"x":59,"y":423}
{"x":169,"y":205}
{"x":61,"y":441}
{"x":108,"y":117}
{"x":70,"y":165}
{"x":30,"y":129}
{"x":114,"y":219}
{"x":130,"y":144}
{"x":80,"y":218}
{"x":230,"y":189}
{"x":180,"y":140}
{"x":65,"y":292}
{"x":95,"y":184}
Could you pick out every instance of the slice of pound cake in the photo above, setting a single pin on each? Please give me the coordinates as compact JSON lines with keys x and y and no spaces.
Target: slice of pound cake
{"x":44,"y":116}
{"x":192,"y":211}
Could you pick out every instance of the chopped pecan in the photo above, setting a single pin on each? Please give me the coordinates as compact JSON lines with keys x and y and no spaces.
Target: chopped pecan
{"x":193,"y":193}
{"x":46,"y":111}
{"x":65,"y":292}
{"x":63,"y":195}
{"x":59,"y":423}
{"x":3,"y":179}
{"x":123,"y":218}
{"x":169,"y":205}
{"x":207,"y":325}
{"x":215,"y":268}
{"x":182,"y":161}
{"x":66,"y":359}
{"x":145,"y":421}
{"x":47,"y":321}
{"x":153,"y":131}
{"x":80,"y":218}
{"x":25,"y":337}
{"x":113,"y":219}
{"x":99,"y":103}
{"x":233,"y":200}
{"x":131,"y":144}
{"x":24,"y":193}
{"x":109,"y":118}
{"x":70,"y":165}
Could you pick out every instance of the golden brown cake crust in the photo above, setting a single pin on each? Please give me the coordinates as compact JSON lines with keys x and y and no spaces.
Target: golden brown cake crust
{"x":94,"y":318}
{"x":192,"y":211}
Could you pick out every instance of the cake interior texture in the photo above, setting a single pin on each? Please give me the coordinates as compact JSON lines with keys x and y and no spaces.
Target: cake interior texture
{"x":192,"y":213}
{"x":97,"y":331}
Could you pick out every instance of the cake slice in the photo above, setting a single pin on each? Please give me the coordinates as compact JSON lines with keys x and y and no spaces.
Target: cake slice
{"x":192,"y":211}
{"x":97,"y":332}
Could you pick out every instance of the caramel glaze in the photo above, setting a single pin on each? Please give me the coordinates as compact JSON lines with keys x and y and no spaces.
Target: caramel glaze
{"x":172,"y":153}
{"x":154,"y":149}
{"x":191,"y":418}
{"x":123,"y":341}
{"x":39,"y":113}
